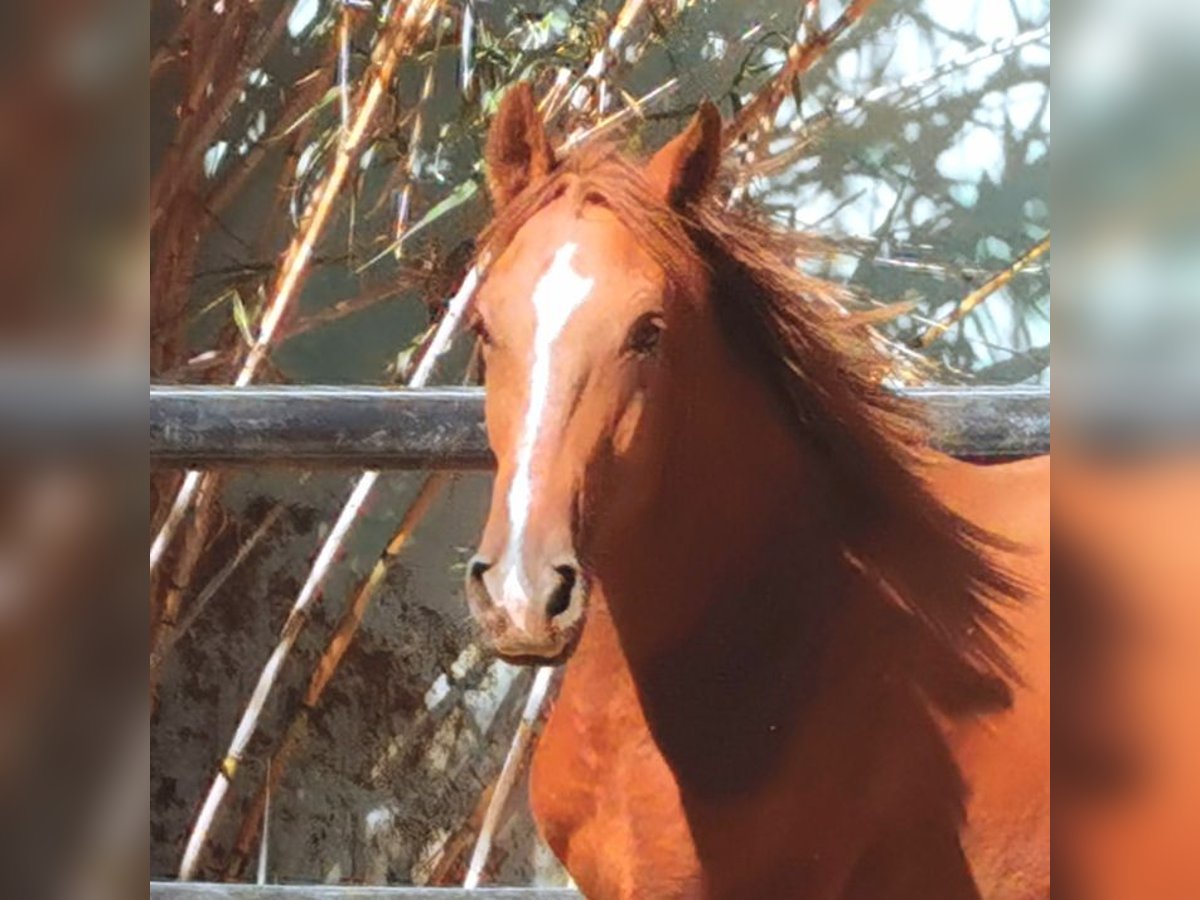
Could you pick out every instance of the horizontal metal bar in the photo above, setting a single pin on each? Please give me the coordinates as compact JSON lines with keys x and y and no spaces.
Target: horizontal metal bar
{"x":432,"y":428}
{"x":988,"y":422}
{"x":442,"y":428}
{"x":172,"y":890}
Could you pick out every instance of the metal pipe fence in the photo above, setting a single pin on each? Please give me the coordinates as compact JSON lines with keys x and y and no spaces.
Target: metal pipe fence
{"x":442,"y":428}
{"x":191,"y":890}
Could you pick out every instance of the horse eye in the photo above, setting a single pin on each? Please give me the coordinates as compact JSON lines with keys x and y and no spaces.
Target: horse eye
{"x":644,"y":335}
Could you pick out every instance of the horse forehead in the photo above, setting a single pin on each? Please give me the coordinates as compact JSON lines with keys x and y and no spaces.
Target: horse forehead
{"x":604,"y":248}
{"x":562,"y":289}
{"x":607,"y":249}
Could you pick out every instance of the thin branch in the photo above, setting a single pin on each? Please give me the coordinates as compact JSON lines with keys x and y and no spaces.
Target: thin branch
{"x":807,"y":128}
{"x":977,"y":296}
{"x":344,"y":308}
{"x":887,"y":93}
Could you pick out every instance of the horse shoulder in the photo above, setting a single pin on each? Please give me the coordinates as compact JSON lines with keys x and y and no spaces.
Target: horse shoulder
{"x":603,"y":797}
{"x":1004,"y":755}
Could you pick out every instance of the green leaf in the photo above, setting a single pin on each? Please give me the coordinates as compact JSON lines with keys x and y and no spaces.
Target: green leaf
{"x":241,"y":318}
{"x":213,"y":304}
{"x":330,"y":96}
{"x":456,"y":198}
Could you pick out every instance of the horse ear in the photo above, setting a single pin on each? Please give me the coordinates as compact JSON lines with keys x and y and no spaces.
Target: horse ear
{"x":518,"y":152}
{"x":685,"y":168}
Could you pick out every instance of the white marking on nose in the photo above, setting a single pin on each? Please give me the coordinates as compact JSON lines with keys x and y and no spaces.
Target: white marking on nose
{"x":558,"y":294}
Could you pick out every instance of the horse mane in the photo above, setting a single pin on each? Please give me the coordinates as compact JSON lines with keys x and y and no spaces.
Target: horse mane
{"x":924,"y":558}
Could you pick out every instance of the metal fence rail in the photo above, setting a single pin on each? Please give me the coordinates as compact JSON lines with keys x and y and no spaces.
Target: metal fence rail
{"x":173,"y":890}
{"x":442,"y":428}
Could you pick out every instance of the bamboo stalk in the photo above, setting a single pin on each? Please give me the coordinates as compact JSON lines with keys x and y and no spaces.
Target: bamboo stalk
{"x":343,"y":67}
{"x":348,"y":627}
{"x":248,"y":723}
{"x":264,"y":845}
{"x":981,"y":293}
{"x":411,"y":21}
{"x":415,"y":17}
{"x":168,"y":51}
{"x":809,"y":20}
{"x":466,"y":57}
{"x":179,"y":508}
{"x":172,"y":263}
{"x":608,"y":53}
{"x":758,"y":113}
{"x":438,"y":867}
{"x":335,"y":651}
{"x":247,"y":50}
{"x":170,"y":635}
{"x":306,"y":92}
{"x":194,"y":544}
{"x":309,"y":593}
{"x":514,"y":764}
{"x":558,"y":94}
{"x":609,"y":122}
{"x":256,"y":814}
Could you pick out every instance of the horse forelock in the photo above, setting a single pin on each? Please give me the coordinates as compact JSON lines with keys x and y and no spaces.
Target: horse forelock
{"x":943,"y":569}
{"x":599,"y":175}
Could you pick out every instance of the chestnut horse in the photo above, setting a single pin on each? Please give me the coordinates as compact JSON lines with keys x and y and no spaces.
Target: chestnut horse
{"x":808,"y":656}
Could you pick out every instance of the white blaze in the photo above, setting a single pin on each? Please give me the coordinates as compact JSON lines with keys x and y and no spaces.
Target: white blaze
{"x":558,"y":294}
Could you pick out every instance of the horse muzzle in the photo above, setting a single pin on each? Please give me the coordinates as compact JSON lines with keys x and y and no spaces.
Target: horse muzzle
{"x":528,"y":620}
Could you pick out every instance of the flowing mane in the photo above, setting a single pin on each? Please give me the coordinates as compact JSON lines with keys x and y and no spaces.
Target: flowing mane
{"x":791,"y":326}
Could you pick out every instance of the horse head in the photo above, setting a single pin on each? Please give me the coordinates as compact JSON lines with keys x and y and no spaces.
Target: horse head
{"x":586,"y":334}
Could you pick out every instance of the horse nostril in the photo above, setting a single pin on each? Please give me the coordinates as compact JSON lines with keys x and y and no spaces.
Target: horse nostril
{"x":560,"y":597}
{"x":476,"y":569}
{"x":479,"y":568}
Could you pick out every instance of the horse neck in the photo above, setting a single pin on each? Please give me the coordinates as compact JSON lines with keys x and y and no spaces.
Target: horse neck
{"x":718,"y":602}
